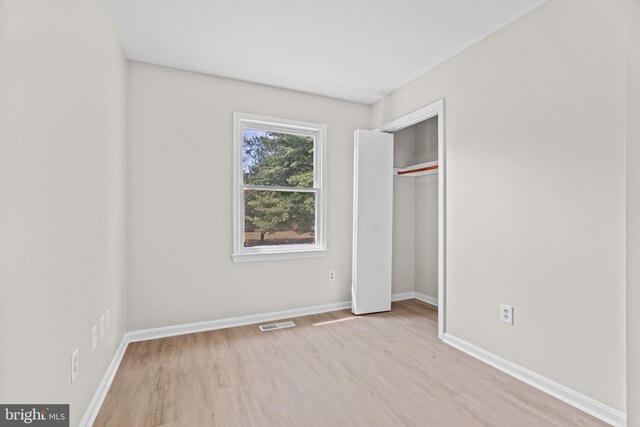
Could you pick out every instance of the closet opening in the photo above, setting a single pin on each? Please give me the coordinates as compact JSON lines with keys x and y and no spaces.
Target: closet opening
{"x":399,"y":213}
{"x":418,"y":241}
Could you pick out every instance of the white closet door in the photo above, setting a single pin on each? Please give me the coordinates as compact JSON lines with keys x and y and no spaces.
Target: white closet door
{"x":372,"y":222}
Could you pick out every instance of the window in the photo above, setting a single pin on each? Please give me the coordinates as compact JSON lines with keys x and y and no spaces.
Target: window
{"x":279,"y":197}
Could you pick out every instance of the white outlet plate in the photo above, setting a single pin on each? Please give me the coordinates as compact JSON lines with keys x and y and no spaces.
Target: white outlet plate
{"x":102,"y":327}
{"x":75,"y":364}
{"x":108,"y":320}
{"x":332,"y":275}
{"x":94,"y":338}
{"x":506,"y":314}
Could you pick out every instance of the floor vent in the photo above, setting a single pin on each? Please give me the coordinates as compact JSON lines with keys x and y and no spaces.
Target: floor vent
{"x":274,"y":326}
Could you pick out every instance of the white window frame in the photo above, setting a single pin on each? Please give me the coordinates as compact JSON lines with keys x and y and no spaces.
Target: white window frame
{"x":281,"y":252}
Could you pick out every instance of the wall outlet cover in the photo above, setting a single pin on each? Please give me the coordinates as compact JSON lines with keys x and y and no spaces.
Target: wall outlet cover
{"x":506,"y":314}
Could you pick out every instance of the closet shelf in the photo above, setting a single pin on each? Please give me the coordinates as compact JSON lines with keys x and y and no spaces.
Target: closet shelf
{"x":417,"y":170}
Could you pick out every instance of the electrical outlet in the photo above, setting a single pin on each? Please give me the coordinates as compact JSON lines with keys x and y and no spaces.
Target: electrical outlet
{"x":506,"y":314}
{"x":108,"y":320}
{"x":332,"y":275}
{"x":75,"y":364}
{"x":101,"y":326}
{"x":94,"y":338}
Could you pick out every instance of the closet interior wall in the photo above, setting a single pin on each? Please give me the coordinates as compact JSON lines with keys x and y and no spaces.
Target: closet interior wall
{"x":415,"y":211}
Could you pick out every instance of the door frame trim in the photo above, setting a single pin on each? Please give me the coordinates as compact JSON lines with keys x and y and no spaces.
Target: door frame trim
{"x":419,"y":115}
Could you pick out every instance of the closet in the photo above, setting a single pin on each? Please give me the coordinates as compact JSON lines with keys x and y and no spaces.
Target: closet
{"x":415,"y":210}
{"x":398,"y":229}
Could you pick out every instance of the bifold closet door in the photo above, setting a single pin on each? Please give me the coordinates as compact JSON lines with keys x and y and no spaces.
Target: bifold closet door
{"x":372,"y":222}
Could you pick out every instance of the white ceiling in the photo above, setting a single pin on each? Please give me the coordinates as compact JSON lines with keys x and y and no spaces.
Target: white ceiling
{"x":358,"y":50}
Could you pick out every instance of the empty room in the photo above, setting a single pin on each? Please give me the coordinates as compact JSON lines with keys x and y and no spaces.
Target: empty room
{"x":305,"y":213}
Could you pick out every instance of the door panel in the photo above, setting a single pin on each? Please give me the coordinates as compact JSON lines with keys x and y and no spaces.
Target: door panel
{"x":372,"y":227}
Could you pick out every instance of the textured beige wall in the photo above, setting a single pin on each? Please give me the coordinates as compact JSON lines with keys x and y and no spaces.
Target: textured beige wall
{"x":62,"y":136}
{"x":179,"y":200}
{"x":633,"y":212}
{"x":535,"y":128}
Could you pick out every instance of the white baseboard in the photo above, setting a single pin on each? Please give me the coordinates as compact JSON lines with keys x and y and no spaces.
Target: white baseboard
{"x":190,"y":328}
{"x":426,"y":298}
{"x":211,"y":325}
{"x":96,"y":403}
{"x":403,"y":296}
{"x":415,"y":295}
{"x":571,"y":397}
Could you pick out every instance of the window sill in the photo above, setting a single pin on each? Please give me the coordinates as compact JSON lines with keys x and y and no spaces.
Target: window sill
{"x":278,"y":255}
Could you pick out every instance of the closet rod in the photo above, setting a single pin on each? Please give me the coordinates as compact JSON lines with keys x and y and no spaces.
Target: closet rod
{"x":428,"y":168}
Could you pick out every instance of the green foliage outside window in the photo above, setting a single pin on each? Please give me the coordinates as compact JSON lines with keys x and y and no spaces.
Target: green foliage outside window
{"x":274,"y":159}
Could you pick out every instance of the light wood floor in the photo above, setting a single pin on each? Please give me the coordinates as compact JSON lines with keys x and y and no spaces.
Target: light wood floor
{"x":333,"y":369}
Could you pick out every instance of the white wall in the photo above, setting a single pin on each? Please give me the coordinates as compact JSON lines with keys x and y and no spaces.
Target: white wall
{"x":404,"y":147}
{"x":62,"y":135}
{"x":403,"y":266}
{"x":403,"y":263}
{"x":179,"y":200}
{"x":535,"y":114}
{"x":535,"y":128}
{"x":426,"y":232}
{"x":427,"y":134}
{"x":415,"y":212}
{"x":633,"y":212}
{"x":426,"y":211}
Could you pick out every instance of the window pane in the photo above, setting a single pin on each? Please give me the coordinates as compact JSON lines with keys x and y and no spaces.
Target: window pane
{"x":279,"y":218}
{"x":277,"y":159}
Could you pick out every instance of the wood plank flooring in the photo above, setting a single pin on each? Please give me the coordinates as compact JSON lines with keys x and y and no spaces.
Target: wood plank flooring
{"x":333,"y":369}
